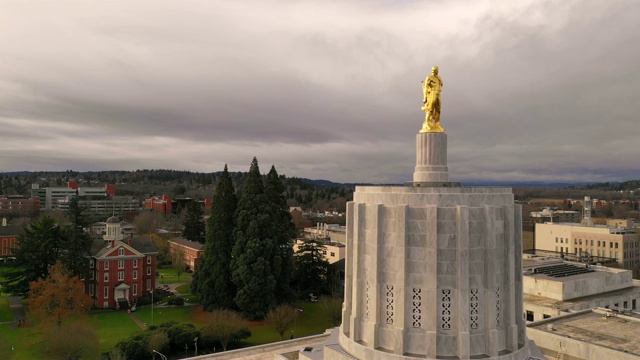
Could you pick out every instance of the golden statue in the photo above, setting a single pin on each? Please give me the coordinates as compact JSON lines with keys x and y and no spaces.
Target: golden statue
{"x":431,"y":89}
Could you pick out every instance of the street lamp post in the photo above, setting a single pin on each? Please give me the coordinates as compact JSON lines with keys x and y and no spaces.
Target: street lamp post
{"x":161,"y":355}
{"x":195,"y":343}
{"x":295,"y":322}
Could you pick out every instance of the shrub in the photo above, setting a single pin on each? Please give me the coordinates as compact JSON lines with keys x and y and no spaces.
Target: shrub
{"x":176,"y":300}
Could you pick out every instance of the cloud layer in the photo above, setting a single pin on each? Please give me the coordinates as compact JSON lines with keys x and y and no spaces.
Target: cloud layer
{"x":538,"y":90}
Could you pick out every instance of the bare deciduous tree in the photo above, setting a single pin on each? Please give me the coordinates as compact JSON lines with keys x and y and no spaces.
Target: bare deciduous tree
{"x":157,"y":342}
{"x":225,"y":326}
{"x":282,"y":318}
{"x":73,"y":341}
{"x":331,"y":307}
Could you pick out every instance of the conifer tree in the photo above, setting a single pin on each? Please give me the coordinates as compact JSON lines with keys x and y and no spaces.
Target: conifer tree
{"x":75,"y":241}
{"x":254,"y":249}
{"x":194,"y":227}
{"x":40,"y":245}
{"x":311,"y":268}
{"x":285,"y":235}
{"x":215,"y":286}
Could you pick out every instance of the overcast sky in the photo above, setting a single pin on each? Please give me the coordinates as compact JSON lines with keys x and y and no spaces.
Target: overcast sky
{"x":533,"y":90}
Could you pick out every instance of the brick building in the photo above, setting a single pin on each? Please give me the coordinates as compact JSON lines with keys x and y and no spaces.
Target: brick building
{"x":297,"y":217}
{"x":19,"y":205}
{"x":8,"y":239}
{"x":161,"y":204}
{"x":121,"y":268}
{"x":191,"y":250}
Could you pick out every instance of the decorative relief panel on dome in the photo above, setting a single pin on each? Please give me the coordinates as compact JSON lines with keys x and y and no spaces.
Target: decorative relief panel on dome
{"x":417,"y":304}
{"x":473,"y":308}
{"x":446,"y":309}
{"x":498,"y":306}
{"x":389,"y":299}
{"x":367,"y":300}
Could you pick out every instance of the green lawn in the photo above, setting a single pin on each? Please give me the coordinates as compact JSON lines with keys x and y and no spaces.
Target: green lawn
{"x":5,"y":311}
{"x":27,"y":343}
{"x":116,"y":325}
{"x":164,"y":314}
{"x":168,"y":276}
{"x":310,"y":322}
{"x":112,"y":327}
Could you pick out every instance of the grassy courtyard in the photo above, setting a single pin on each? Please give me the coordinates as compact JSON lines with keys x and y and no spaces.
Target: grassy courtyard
{"x":113,"y":326}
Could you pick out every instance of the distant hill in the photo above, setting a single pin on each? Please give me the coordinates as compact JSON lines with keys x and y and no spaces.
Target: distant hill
{"x":525,"y":184}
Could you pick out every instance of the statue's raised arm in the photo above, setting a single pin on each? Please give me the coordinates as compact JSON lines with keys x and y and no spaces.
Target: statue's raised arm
{"x":431,"y":88}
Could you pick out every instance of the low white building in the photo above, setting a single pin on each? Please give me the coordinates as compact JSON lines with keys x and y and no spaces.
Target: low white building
{"x":553,"y":287}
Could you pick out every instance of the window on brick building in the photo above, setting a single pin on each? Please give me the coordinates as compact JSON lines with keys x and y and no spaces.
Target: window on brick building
{"x":135,"y":263}
{"x":135,"y":274}
{"x":120,"y":275}
{"x":106,"y":265}
{"x":148,"y":284}
{"x":106,"y":277}
{"x":121,"y":251}
{"x":148,"y":259}
{"x":120,"y":264}
{"x":106,"y":292}
{"x":135,"y":289}
{"x":148,"y":270}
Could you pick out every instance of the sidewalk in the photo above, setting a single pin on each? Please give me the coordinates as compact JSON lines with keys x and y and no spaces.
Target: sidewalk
{"x":137,"y":321}
{"x":17,"y":310}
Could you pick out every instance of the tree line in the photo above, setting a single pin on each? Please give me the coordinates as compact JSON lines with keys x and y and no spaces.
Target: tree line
{"x":309,"y":194}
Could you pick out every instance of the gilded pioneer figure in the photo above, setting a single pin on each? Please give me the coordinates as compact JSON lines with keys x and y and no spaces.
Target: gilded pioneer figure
{"x":431,"y":88}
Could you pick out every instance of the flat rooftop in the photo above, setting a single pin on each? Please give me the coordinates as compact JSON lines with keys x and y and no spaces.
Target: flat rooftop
{"x":580,"y":302}
{"x":563,"y":272}
{"x":618,"y":332}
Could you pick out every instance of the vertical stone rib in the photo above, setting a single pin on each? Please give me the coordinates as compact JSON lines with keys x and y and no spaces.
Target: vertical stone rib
{"x":401,"y":278}
{"x":488,"y":296}
{"x":349,"y":295}
{"x":374,"y":230}
{"x":430,"y":323}
{"x":510,"y":273}
{"x":358,"y":279}
{"x":519,"y":306}
{"x":462,"y":248}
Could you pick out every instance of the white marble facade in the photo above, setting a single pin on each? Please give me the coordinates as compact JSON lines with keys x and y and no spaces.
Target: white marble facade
{"x":432,"y":272}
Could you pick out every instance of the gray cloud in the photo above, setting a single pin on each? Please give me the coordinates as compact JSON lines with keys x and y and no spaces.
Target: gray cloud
{"x":535,"y":90}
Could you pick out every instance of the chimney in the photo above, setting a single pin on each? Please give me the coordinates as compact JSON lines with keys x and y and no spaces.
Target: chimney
{"x":129,"y":241}
{"x":113,"y":243}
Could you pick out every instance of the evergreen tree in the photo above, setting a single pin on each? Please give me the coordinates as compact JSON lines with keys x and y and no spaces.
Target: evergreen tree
{"x":75,"y":241}
{"x":40,"y":244}
{"x":215,"y":286}
{"x":285,"y":235}
{"x":254,"y":249}
{"x":194,"y":227}
{"x":311,"y":268}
